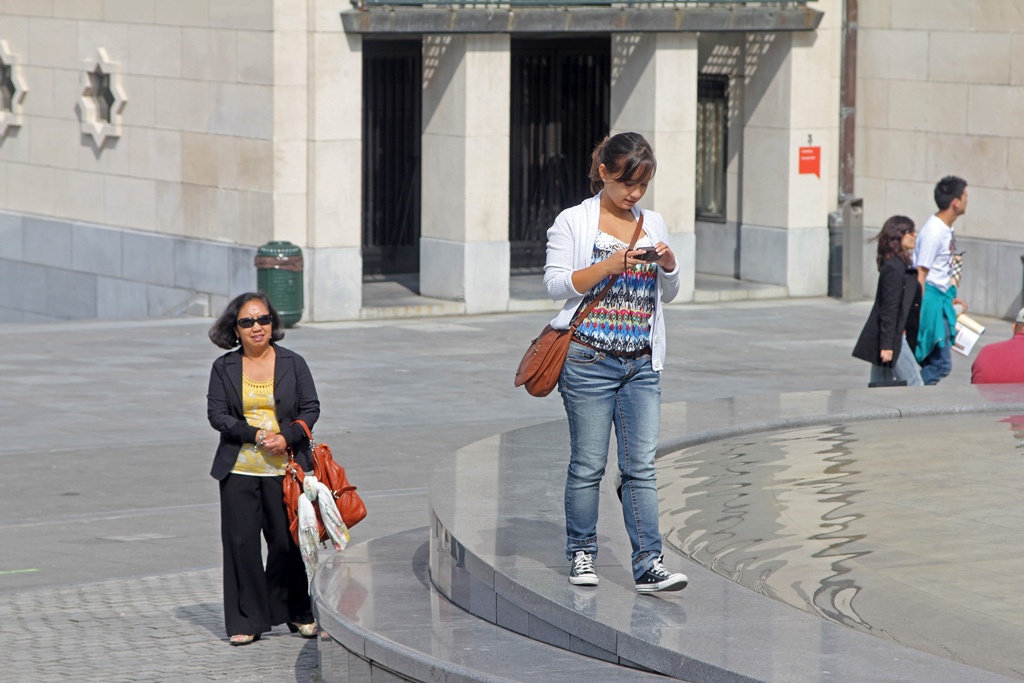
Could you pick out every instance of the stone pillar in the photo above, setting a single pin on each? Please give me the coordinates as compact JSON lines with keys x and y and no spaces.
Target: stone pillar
{"x":464,"y":247}
{"x":654,"y":93}
{"x":333,"y":206}
{"x":791,"y":110}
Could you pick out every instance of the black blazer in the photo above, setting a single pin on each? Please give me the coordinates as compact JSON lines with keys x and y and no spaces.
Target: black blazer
{"x":294,"y":395}
{"x":897,"y":309}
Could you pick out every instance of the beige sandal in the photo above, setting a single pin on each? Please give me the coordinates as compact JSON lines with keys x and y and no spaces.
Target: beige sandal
{"x":305,"y":630}
{"x":242,"y":639}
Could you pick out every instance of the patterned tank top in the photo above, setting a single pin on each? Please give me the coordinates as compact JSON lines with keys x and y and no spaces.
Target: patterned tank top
{"x":621,"y":322}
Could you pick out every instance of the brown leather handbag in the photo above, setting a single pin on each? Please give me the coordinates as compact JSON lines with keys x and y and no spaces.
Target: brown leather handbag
{"x":327,"y":472}
{"x":541,"y":367}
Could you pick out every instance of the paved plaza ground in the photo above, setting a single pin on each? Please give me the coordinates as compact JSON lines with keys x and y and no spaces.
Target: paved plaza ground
{"x":110,"y":569}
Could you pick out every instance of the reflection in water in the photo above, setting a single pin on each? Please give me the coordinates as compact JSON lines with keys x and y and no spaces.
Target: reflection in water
{"x":1016,"y":423}
{"x":908,"y":529}
{"x":723,"y":497}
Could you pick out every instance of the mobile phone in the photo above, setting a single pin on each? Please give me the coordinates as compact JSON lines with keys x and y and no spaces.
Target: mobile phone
{"x":650,"y":254}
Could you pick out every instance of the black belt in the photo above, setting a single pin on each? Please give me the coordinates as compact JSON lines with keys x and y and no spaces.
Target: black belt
{"x":646,"y":351}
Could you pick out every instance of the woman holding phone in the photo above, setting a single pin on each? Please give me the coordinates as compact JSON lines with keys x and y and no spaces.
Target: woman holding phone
{"x":612,"y":372}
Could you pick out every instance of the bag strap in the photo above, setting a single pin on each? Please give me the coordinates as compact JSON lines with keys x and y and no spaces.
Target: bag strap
{"x":305,"y":428}
{"x":312,"y":447}
{"x":292,"y":468}
{"x":582,"y":315}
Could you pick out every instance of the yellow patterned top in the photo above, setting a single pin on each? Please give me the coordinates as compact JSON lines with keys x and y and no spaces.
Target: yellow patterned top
{"x":258,"y":404}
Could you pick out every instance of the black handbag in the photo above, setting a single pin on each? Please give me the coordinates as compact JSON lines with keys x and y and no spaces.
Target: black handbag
{"x":890,"y":379}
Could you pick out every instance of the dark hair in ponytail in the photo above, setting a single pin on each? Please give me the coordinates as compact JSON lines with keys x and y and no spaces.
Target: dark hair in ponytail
{"x":626,"y":156}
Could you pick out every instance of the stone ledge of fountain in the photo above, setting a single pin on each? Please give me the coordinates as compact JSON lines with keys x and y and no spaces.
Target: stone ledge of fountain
{"x":496,"y":550}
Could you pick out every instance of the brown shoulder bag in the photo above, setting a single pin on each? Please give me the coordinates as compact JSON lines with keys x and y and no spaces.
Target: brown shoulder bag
{"x":327,"y":472}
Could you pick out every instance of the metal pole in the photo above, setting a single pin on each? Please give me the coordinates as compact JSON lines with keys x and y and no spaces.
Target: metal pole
{"x":848,"y":103}
{"x":852,"y":207}
{"x":853,"y":249}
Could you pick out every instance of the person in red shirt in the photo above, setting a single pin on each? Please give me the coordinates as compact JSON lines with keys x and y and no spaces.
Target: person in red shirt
{"x":1003,"y":362}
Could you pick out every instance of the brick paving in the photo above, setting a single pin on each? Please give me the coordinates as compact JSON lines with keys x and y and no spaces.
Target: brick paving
{"x":154,"y":628}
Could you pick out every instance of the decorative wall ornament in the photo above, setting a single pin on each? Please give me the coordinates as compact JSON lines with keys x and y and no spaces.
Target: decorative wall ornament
{"x":12,"y":90}
{"x":103,"y":99}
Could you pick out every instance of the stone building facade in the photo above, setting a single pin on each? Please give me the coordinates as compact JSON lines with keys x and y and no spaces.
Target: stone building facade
{"x":150,"y":146}
{"x":940,"y":90}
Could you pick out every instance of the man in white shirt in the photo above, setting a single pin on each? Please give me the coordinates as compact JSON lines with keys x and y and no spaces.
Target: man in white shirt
{"x":934,"y":257}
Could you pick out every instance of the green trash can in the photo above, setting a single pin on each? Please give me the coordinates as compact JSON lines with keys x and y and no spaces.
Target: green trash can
{"x":279,"y":276}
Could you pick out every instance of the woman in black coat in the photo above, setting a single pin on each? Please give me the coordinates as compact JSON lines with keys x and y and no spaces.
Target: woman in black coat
{"x":256,"y":393}
{"x":890,"y":334}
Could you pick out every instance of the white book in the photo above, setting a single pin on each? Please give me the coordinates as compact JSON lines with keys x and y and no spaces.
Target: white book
{"x":968,"y":330}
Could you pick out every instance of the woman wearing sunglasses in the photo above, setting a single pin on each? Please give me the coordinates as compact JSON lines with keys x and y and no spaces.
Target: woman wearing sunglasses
{"x":257,"y":390}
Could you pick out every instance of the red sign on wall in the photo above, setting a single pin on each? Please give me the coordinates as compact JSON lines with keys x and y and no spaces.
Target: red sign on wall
{"x":810,"y":161}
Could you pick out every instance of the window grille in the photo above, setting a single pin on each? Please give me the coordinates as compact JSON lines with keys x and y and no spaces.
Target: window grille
{"x":392,"y":111}
{"x":712,"y":150}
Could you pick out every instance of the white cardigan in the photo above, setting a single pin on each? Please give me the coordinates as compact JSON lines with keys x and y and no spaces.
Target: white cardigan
{"x":571,"y":248}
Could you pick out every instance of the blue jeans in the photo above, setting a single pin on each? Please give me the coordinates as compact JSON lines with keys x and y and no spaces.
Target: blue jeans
{"x":939,"y":362}
{"x":905,"y":368}
{"x":600,"y":391}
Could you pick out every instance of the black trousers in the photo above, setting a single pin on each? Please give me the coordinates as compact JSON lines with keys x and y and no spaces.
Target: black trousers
{"x":258,"y":598}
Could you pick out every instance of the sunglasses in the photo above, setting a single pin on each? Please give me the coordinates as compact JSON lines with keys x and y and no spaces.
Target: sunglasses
{"x":263,"y":320}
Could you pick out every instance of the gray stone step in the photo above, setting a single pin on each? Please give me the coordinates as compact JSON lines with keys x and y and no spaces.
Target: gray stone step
{"x":382,"y":620}
{"x":716,"y":289}
{"x":398,"y":296}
